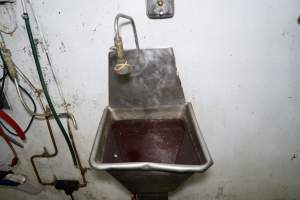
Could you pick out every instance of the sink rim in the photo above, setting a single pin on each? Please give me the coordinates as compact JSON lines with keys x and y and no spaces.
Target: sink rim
{"x":150,"y":166}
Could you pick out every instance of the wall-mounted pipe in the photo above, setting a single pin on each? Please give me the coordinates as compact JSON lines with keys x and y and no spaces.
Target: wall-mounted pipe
{"x":46,"y":154}
{"x":45,"y":89}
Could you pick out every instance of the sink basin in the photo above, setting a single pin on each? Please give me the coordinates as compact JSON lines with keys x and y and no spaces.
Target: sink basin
{"x":167,"y":138}
{"x":148,"y":137}
{"x":150,"y":151}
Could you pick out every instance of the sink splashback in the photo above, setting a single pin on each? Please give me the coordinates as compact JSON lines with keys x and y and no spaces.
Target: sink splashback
{"x":153,"y":81}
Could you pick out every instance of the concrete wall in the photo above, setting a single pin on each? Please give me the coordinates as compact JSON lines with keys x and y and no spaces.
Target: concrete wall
{"x":239,"y":64}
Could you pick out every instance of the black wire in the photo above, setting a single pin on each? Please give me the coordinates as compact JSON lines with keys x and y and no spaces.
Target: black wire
{"x":2,"y":87}
{"x":32,"y":118}
{"x":3,"y":82}
{"x":4,"y":75}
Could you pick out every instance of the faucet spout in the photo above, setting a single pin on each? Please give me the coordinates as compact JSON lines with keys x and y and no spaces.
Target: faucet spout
{"x":122,"y":66}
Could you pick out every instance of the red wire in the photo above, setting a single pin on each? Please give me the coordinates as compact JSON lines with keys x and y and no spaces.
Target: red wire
{"x":133,"y":197}
{"x":13,"y":124}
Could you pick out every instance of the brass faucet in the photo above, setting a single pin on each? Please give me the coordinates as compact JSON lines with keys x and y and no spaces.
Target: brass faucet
{"x":122,"y":66}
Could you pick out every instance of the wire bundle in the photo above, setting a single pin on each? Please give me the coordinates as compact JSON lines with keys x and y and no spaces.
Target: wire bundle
{"x":3,"y":79}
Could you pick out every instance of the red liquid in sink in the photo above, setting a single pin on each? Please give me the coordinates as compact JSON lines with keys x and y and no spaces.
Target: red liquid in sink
{"x":159,"y":141}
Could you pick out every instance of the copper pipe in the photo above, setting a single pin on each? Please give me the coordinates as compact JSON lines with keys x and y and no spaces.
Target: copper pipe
{"x":82,"y":170}
{"x":45,"y":155}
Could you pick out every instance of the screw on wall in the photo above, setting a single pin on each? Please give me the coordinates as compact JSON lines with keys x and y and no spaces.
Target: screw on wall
{"x":298,"y":20}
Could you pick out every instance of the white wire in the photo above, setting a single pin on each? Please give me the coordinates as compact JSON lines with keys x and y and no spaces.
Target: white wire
{"x":32,"y":113}
{"x":24,"y":6}
{"x":12,"y":17}
{"x":64,"y":115}
{"x":45,"y":48}
{"x":49,"y":60}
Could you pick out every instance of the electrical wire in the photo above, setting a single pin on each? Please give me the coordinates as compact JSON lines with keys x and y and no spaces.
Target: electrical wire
{"x":71,"y":144}
{"x":12,"y":18}
{"x":45,"y":89}
{"x":69,"y":116}
{"x":32,"y":113}
{"x":46,"y":154}
{"x":15,"y":80}
{"x":49,"y":60}
{"x":3,"y":83}
{"x":4,"y":72}
{"x":31,"y":119}
{"x":46,"y":50}
{"x":38,"y":92}
{"x":3,"y":78}
{"x":4,"y":75}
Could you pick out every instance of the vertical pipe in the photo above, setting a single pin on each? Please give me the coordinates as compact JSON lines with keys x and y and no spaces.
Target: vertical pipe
{"x":44,"y":86}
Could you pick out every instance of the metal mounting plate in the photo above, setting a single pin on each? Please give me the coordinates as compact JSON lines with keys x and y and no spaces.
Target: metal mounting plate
{"x":160,"y":9}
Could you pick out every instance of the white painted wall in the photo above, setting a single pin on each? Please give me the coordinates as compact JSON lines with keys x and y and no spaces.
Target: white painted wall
{"x":239,"y":64}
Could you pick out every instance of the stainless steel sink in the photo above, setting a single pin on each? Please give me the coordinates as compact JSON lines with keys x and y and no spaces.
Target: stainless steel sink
{"x":138,"y":173}
{"x":188,"y":153}
{"x":148,"y":137}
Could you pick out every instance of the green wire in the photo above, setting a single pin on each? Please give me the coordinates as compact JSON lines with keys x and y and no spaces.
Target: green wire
{"x":44,"y":86}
